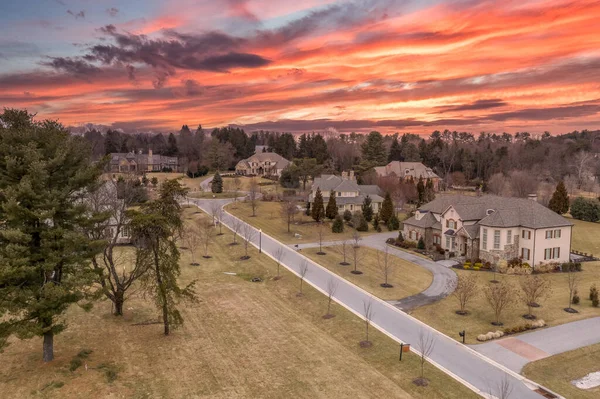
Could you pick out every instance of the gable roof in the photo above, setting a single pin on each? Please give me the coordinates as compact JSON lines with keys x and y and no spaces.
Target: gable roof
{"x":427,"y":221}
{"x":276,"y":160}
{"x":503,"y":211}
{"x":336,"y":183}
{"x":400,"y":169}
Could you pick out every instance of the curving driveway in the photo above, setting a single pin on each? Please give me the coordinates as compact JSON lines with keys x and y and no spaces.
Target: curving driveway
{"x":467,"y":366}
{"x":442,"y":285}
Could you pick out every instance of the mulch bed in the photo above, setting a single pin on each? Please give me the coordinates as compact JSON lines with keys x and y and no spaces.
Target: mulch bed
{"x":365,"y":344}
{"x":328,"y":316}
{"x":421,"y":382}
{"x":356,"y":272}
{"x":386,"y":285}
{"x":571,"y":310}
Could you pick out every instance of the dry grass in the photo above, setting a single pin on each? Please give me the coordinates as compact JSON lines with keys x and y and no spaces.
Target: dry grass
{"x":442,"y":317}
{"x":406,"y":277}
{"x":585,"y":237}
{"x":241,"y":340}
{"x":269,"y":219}
{"x":557,"y":372}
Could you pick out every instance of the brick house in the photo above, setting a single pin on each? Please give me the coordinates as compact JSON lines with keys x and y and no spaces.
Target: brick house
{"x":492,"y":228}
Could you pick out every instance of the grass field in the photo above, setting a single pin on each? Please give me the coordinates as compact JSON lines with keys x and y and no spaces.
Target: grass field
{"x":269,"y":219}
{"x":240,"y":340}
{"x":586,"y":237}
{"x":441,"y":316}
{"x":407,"y":278}
{"x":557,"y":372}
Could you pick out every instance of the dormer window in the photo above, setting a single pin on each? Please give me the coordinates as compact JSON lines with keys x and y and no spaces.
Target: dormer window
{"x":489,"y":212}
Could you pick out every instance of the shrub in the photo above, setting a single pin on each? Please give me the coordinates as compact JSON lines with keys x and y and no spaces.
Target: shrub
{"x":338,"y":225}
{"x":393,"y":223}
{"x":525,"y":265}
{"x":475,"y":268}
{"x":595,"y":302}
{"x":467,"y":263}
{"x":465,"y":266}
{"x":421,"y":243}
{"x":571,"y":267}
{"x":359,"y":222}
{"x":440,"y":250}
{"x":347,"y":215}
{"x":593,"y":292}
{"x":576,"y":298}
{"x":487,"y":265}
{"x":478,"y":265}
{"x":400,"y":237}
{"x":586,"y":209}
{"x":75,"y":364}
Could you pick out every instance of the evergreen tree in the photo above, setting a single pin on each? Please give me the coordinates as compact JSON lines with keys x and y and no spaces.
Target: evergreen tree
{"x":393,"y":223}
{"x":587,"y":209}
{"x":308,"y":212}
{"x":367,"y":209}
{"x":172,"y":149}
{"x":216,"y":185}
{"x":45,"y":176}
{"x":387,"y":208}
{"x":376,"y":222}
{"x":347,"y":215}
{"x":331,"y":211}
{"x":318,"y":212}
{"x":559,"y":202}
{"x":338,"y":225}
{"x":421,"y":191}
{"x":289,"y":178}
{"x":421,"y":244}
{"x":395,"y":151}
{"x":155,"y":230}
{"x":373,"y":149}
{"x":429,"y":191}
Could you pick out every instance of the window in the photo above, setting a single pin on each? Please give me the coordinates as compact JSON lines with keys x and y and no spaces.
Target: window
{"x":526,"y":234}
{"x":484,"y":240}
{"x":451,"y":224}
{"x":447,"y":242}
{"x":556,"y":253}
{"x":437,"y":239}
{"x":508,"y":237}
{"x":339,"y":193}
{"x":548,"y":234}
{"x":525,"y":253}
{"x":547,"y":253}
{"x":496,"y":239}
{"x":125,"y":231}
{"x":556,"y":233}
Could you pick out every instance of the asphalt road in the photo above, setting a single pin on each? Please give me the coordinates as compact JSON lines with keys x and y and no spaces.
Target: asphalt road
{"x":463,"y":363}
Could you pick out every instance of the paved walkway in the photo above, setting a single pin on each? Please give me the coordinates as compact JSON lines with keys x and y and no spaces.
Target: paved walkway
{"x":516,"y":352}
{"x":459,"y":361}
{"x":442,"y":285}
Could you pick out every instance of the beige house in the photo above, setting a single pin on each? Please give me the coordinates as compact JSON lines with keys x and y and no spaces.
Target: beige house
{"x":492,"y":228}
{"x":405,"y":170}
{"x":348,"y":194}
{"x":262,"y":164}
{"x":140,"y":163}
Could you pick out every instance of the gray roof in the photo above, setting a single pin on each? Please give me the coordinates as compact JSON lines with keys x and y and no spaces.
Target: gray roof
{"x":277,"y":160}
{"x":494,"y":211}
{"x":333,"y":182}
{"x":427,"y":221}
{"x":350,"y":200}
{"x":371,"y":190}
{"x":403,"y":169}
{"x":471,"y":229}
{"x":116,"y":157}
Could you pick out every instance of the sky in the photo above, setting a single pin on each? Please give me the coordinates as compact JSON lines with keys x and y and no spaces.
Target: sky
{"x":310,"y":65}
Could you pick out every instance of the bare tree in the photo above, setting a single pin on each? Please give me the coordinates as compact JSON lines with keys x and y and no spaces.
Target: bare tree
{"x":502,"y":390}
{"x":289,"y":210}
{"x":385,"y":261}
{"x":533,"y":289}
{"x":279,"y":254}
{"x":302,"y":271}
{"x":193,"y":238}
{"x":111,"y":265}
{"x":321,"y":235}
{"x":356,"y":238}
{"x":236,"y":226}
{"x":214,"y":211}
{"x":357,"y":256}
{"x":219,"y":219}
{"x":465,"y":291}
{"x":581,"y":166}
{"x":425,"y":346}
{"x":573,"y":281}
{"x":332,"y":285}
{"x":236,"y":185}
{"x":368,"y":314}
{"x":248,"y":234}
{"x":254,"y":195}
{"x":206,"y":237}
{"x":496,"y":184}
{"x":522,"y":183}
{"x":343,"y":249}
{"x":500,"y":296}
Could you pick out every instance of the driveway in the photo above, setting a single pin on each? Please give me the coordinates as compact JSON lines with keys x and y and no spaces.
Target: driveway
{"x":442,"y":285}
{"x":516,"y":352}
{"x":459,"y":361}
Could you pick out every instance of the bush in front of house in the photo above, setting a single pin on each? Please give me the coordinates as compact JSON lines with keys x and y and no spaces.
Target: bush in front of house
{"x":393,"y":223}
{"x":421,"y":244}
{"x":347,"y":215}
{"x":338,"y":225}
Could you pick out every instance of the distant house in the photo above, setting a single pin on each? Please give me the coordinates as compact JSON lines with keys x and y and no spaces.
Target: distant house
{"x":405,"y":170}
{"x":348,"y":194}
{"x":492,"y":228}
{"x":262,"y":164}
{"x":138,"y":162}
{"x":106,"y":199}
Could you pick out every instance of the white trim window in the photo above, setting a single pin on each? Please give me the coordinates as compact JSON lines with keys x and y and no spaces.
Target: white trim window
{"x":525,"y":253}
{"x":548,"y":234}
{"x":496,"y":239}
{"x":556,"y":253}
{"x":484,"y":239}
{"x":557,"y":233}
{"x":447,"y":242}
{"x":526,"y":234}
{"x":508,"y":237}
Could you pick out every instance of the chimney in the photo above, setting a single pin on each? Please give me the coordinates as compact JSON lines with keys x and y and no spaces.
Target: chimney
{"x":344,"y":175}
{"x":351,"y":175}
{"x":532,"y":197}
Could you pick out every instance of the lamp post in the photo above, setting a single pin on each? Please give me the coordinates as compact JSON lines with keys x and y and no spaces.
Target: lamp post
{"x":260,"y":241}
{"x":463,"y":335}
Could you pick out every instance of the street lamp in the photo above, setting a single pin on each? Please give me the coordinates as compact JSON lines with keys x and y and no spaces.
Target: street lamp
{"x":259,"y":241}
{"x":462,"y":334}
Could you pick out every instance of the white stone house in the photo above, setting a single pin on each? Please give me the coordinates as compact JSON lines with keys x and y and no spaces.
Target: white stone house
{"x":405,"y":170}
{"x":262,"y":164}
{"x":492,"y":228}
{"x":348,"y":194}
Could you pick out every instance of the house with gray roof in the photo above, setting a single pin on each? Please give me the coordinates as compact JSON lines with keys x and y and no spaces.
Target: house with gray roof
{"x":408,"y":170}
{"x":349,"y":195}
{"x":262,"y":164}
{"x":492,"y":228}
{"x":138,"y":162}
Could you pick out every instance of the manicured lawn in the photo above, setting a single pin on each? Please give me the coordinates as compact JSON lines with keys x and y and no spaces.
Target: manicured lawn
{"x":268,"y":218}
{"x":442,"y":316}
{"x":210,"y":195}
{"x":407,"y":278}
{"x":240,"y":340}
{"x":557,"y":372}
{"x":586,"y":237}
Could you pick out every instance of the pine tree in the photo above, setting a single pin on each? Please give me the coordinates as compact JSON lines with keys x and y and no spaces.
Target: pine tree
{"x":338,"y":225}
{"x":559,"y":202}
{"x":45,"y":176}
{"x":395,"y":151}
{"x":172,"y":149}
{"x":376,"y":222}
{"x":373,"y":149}
{"x":387,"y":208}
{"x":367,"y":209}
{"x":308,"y":211}
{"x":393,"y":223}
{"x":155,"y":230}
{"x":318,"y":212}
{"x":429,"y":191}
{"x":216,"y":186}
{"x":331,"y":211}
{"x":421,"y":191}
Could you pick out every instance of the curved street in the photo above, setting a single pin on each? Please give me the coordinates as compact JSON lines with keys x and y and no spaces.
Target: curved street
{"x":467,"y":366}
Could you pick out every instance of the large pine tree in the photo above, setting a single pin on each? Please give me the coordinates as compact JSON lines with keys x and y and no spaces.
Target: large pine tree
{"x":45,"y":175}
{"x":317,"y":211}
{"x":367,"y":209}
{"x":216,"y":185}
{"x":395,"y":151}
{"x":332,"y":210}
{"x":387,"y":209}
{"x":559,"y":202}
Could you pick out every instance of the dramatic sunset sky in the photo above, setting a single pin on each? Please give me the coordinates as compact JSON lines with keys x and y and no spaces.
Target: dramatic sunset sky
{"x":304,"y":65}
